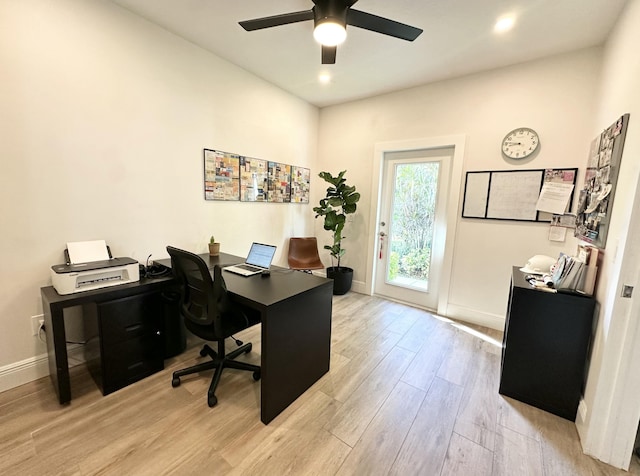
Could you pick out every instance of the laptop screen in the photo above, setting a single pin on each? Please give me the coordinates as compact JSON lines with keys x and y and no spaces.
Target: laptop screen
{"x":261,"y":255}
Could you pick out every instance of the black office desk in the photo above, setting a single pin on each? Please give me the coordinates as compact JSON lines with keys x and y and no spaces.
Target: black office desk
{"x":295,"y":311}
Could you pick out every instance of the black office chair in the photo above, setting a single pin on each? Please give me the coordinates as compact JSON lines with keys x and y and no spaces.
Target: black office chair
{"x":211,"y":315}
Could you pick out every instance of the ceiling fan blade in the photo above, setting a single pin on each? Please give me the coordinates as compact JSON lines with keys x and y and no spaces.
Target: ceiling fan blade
{"x":329,"y":54}
{"x":382,"y":25}
{"x":276,"y":20}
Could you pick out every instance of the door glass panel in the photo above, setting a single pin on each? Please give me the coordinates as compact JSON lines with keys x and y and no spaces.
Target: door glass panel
{"x":412,"y":224}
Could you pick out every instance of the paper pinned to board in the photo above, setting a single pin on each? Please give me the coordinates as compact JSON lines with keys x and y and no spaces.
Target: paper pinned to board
{"x":557,"y":233}
{"x":87,"y":251}
{"x":554,"y":197}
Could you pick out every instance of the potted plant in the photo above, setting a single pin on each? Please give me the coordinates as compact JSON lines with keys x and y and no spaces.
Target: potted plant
{"x":339,"y":202}
{"x":214,"y":246}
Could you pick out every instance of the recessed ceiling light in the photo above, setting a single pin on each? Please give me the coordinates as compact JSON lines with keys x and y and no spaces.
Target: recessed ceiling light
{"x":504,"y":24}
{"x":324,"y":78}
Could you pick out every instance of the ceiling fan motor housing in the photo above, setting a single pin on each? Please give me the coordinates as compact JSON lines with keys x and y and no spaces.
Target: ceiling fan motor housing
{"x":330,"y":11}
{"x":333,"y":16}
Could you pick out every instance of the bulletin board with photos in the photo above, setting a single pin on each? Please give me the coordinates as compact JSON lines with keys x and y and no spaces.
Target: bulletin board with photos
{"x":595,"y":200}
{"x":233,"y":177}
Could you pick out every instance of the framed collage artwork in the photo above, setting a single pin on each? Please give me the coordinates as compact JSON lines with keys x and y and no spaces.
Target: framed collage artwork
{"x":233,"y":177}
{"x":300,"y":179}
{"x":253,"y":180}
{"x":221,"y":175}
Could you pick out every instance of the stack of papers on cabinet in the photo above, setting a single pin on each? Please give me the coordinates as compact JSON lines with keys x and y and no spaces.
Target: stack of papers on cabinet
{"x":568,"y":273}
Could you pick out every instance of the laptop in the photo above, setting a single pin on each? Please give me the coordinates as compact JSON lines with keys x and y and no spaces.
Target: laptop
{"x":258,"y":260}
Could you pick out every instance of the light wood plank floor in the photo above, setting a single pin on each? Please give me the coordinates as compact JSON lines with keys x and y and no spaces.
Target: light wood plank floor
{"x":407,"y":394}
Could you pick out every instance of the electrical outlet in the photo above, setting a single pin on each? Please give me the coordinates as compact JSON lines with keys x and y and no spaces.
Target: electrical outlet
{"x":36,"y":323}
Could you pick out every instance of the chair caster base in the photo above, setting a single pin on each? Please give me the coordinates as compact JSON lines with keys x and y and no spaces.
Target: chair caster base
{"x":256,"y":375}
{"x":175,"y":382}
{"x":212,"y":400}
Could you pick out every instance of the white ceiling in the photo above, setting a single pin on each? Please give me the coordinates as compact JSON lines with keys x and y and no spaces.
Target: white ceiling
{"x":458,"y":39}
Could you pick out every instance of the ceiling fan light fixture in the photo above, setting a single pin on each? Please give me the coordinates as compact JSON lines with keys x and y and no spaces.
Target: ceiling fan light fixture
{"x":504,"y":24}
{"x":329,"y":33}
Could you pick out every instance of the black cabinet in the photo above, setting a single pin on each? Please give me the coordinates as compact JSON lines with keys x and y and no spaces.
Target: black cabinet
{"x":124,"y":339}
{"x":545,"y":345}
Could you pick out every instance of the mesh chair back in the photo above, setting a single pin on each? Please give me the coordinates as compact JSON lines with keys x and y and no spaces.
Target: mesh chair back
{"x":203,"y":300}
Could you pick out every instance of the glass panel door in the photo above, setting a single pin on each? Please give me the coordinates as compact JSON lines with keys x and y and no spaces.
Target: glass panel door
{"x":412,"y":227}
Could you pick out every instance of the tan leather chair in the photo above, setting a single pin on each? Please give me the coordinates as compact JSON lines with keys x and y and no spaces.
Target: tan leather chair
{"x":303,"y":254}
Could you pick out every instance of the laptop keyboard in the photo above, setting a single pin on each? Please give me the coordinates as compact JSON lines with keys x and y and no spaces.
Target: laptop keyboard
{"x":248,"y":267}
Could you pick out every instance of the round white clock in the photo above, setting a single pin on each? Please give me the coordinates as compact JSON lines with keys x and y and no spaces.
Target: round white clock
{"x":520,"y":143}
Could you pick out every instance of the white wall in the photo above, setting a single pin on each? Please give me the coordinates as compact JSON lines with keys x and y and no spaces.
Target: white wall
{"x":104,"y":117}
{"x":611,"y":396}
{"x":103,"y":120}
{"x":555,"y":96}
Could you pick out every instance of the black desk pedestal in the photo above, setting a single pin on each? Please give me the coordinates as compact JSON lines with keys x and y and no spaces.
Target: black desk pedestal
{"x":54,"y":304}
{"x":124,"y":340}
{"x":296,"y":346}
{"x":544,"y":349}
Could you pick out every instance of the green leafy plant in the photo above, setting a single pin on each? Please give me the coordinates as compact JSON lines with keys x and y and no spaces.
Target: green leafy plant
{"x":212,"y":240}
{"x":394,"y":265}
{"x":340,"y":201}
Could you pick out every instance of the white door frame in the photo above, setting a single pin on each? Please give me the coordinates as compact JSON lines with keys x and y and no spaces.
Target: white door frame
{"x":608,"y":429}
{"x":453,"y":203}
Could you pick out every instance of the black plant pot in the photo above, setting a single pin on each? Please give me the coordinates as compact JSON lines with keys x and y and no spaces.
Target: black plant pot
{"x":342,"y":278}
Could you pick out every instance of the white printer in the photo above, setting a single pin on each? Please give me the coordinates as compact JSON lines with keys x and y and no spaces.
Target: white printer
{"x":89,"y":265}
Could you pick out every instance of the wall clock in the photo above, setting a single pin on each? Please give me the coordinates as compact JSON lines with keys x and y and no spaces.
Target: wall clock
{"x":520,"y":143}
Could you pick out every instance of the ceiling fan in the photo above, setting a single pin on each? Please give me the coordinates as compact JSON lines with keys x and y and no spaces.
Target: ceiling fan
{"x":330,"y":18}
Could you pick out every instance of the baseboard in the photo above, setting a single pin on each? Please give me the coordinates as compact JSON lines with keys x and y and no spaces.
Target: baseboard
{"x":356,"y":286}
{"x":359,"y":287}
{"x":33,"y":368}
{"x":25,"y":371}
{"x":582,"y":412}
{"x":461,"y":313}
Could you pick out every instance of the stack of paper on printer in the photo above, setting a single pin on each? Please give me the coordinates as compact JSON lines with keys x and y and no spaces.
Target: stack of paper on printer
{"x":90,"y":266}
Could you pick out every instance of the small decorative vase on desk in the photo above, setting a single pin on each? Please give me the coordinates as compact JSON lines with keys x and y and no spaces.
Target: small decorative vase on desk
{"x":214,"y":247}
